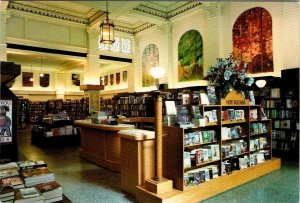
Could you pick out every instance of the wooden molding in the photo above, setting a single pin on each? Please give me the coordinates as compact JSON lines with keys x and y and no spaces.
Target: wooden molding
{"x":91,"y":87}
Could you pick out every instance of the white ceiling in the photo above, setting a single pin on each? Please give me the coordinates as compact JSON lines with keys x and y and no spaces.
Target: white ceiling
{"x":123,"y":13}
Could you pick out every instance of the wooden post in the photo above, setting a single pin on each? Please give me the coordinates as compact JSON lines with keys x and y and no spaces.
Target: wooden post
{"x":158,"y":137}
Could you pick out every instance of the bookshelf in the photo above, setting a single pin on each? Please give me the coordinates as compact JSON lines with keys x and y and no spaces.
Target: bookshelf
{"x":281,"y":104}
{"x":251,"y":143}
{"x":37,"y":110}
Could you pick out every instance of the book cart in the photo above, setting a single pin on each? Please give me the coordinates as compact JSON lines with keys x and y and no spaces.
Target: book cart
{"x":175,"y":146}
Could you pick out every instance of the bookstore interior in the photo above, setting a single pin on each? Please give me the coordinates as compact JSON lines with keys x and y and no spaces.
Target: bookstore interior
{"x":178,"y":97}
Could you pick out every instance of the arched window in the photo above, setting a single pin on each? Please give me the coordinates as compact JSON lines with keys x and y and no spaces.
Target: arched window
{"x":252,"y":40}
{"x":150,"y":60}
{"x":190,"y":57}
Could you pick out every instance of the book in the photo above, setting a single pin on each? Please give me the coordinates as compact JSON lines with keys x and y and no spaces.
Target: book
{"x":275,"y":93}
{"x":185,"y":99}
{"x":31,"y":164}
{"x":6,"y":191}
{"x":28,"y":195}
{"x":15,"y":181}
{"x":204,"y":98}
{"x":50,"y":190}
{"x":211,"y":93}
{"x":9,"y":172}
{"x":196,"y":97}
{"x":231,"y":115}
{"x":186,"y":159}
{"x":170,"y":108}
{"x":196,"y":112}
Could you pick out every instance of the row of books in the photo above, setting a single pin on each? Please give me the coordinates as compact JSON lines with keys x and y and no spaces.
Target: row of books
{"x":211,"y":116}
{"x":282,"y":113}
{"x":238,"y":163}
{"x":28,"y":181}
{"x":286,"y":124}
{"x":258,"y":128}
{"x":199,"y":137}
{"x":234,"y":148}
{"x":232,"y":132}
{"x":284,"y":145}
{"x":259,"y":143}
{"x":201,"y":155}
{"x":200,"y":175}
{"x":284,"y":135}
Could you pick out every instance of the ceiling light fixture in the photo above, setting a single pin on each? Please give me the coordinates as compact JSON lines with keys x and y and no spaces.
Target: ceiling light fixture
{"x":31,"y":79}
{"x":157,"y":73}
{"x":261,"y":83}
{"x":41,"y":74}
{"x":107,"y":29}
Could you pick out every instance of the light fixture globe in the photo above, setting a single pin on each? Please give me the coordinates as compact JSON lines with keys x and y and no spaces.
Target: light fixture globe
{"x":41,"y":75}
{"x":157,"y":72}
{"x":261,"y":83}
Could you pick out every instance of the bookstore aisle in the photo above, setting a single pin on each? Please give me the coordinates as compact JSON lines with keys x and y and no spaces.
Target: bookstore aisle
{"x":84,"y":182}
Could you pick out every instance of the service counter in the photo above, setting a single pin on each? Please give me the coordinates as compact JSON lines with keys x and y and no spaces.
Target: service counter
{"x":137,"y":157}
{"x":101,"y":143}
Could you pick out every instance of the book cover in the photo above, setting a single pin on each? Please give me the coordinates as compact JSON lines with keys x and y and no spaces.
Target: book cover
{"x":186,"y":179}
{"x":186,"y":159}
{"x":211,"y":94}
{"x":231,"y":115}
{"x":253,"y":114}
{"x":199,"y":156}
{"x":205,"y":136}
{"x":14,"y":181}
{"x":183,"y":114}
{"x":225,"y":115}
{"x":275,"y":93}
{"x":233,"y":132}
{"x":197,"y":138}
{"x":196,"y":112}
{"x":211,"y":135}
{"x":215,"y":152}
{"x":185,"y":99}
{"x":214,"y":116}
{"x":237,"y":114}
{"x":6,"y":190}
{"x":204,"y":98}
{"x":196,"y":97}
{"x":208,"y":116}
{"x":170,"y":108}
{"x":29,"y":192}
{"x":50,"y":186}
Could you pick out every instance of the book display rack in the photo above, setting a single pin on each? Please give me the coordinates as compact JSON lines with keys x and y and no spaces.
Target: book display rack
{"x":204,"y":161}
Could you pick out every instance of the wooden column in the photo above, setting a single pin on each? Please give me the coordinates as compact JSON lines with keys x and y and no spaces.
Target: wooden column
{"x":158,"y":136}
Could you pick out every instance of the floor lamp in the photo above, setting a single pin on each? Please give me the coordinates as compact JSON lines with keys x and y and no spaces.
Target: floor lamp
{"x":158,"y":184}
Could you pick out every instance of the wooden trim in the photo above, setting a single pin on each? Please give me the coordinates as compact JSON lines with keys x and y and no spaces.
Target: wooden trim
{"x":211,"y":188}
{"x":91,"y":87}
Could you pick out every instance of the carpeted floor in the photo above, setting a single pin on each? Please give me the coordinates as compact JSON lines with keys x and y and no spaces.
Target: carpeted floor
{"x":84,"y":182}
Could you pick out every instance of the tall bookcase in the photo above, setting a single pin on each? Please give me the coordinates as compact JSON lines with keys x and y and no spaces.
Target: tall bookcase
{"x":281,"y":104}
{"x":255,"y":142}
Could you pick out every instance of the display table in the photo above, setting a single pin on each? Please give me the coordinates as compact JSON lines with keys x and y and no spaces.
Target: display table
{"x":137,"y":152}
{"x":101,"y":143}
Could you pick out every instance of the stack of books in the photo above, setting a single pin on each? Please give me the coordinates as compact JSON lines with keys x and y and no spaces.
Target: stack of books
{"x":36,"y":176}
{"x":7,"y":193}
{"x":51,"y":191}
{"x":9,"y":175}
{"x":28,"y":195}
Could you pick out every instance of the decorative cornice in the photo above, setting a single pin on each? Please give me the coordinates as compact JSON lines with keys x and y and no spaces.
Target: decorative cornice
{"x":143,"y":27}
{"x":183,"y":9}
{"x":167,"y":15}
{"x":166,"y":27}
{"x":151,"y":11}
{"x":124,"y":29}
{"x":38,"y":11}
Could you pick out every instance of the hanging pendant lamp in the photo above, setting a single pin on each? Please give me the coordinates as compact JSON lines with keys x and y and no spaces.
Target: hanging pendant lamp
{"x":31,"y":79}
{"x":107,"y":29}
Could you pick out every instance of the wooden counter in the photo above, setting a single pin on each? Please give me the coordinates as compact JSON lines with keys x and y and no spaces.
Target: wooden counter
{"x":101,"y":144}
{"x":137,"y":152}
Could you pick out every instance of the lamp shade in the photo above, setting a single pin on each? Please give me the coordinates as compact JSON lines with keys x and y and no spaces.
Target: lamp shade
{"x":157,"y":72}
{"x":261,"y":83}
{"x":107,"y":31}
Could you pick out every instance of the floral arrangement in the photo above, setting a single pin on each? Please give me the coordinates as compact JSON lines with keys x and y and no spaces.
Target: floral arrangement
{"x":227,"y":75}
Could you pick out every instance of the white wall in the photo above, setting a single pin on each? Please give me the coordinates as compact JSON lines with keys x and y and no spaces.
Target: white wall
{"x":41,"y":31}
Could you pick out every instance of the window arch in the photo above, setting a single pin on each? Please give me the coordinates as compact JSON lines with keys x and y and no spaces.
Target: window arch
{"x":252,"y":40}
{"x":150,"y":59}
{"x":190,"y":57}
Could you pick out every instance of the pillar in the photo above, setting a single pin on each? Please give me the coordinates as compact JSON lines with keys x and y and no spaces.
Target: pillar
{"x":60,"y":86}
{"x":3,"y":47}
{"x":91,"y":79}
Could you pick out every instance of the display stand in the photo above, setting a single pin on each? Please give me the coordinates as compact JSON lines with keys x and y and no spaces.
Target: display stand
{"x":174,"y":146}
{"x":8,"y":109}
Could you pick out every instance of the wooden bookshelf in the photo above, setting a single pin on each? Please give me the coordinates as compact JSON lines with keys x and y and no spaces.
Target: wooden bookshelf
{"x":174,"y":167}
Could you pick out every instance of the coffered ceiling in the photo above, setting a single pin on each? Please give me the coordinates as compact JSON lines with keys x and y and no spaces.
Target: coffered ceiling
{"x":129,"y":16}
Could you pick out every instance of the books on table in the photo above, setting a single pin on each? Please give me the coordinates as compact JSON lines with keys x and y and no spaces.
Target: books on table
{"x":51,"y":191}
{"x":26,"y":195}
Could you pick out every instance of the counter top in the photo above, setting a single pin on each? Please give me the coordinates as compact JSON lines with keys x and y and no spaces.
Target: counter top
{"x":137,"y":134}
{"x":88,"y":124}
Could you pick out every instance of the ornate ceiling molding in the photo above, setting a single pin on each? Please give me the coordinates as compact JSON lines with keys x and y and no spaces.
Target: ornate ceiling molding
{"x":151,"y":11}
{"x":167,"y":15}
{"x":143,"y":27}
{"x":124,"y":29}
{"x":52,"y":14}
{"x":213,"y":9}
{"x":183,"y":9}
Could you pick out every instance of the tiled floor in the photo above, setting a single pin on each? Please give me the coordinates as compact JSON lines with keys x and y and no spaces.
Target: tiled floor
{"x":84,"y":182}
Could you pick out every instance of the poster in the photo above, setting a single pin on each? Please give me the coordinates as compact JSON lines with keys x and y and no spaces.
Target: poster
{"x":26,"y":79}
{"x":125,"y":76}
{"x":111,"y":79}
{"x":101,"y":80}
{"x":106,"y":80}
{"x":5,"y":121}
{"x":44,"y":81}
{"x":118,"y":78}
{"x":76,"y":79}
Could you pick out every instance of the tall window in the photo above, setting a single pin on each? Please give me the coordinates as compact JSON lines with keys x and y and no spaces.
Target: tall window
{"x":150,"y":59}
{"x":121,"y":45}
{"x":252,"y":40}
{"x":190,"y":57}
